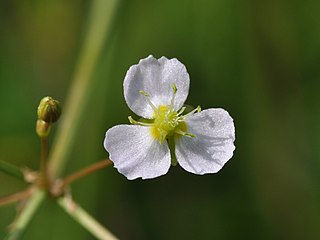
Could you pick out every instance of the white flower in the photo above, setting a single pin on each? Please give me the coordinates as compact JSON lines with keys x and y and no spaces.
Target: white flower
{"x":202,"y":141}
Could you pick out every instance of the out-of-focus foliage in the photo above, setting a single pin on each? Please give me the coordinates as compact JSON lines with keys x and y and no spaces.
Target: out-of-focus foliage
{"x":257,"y":59}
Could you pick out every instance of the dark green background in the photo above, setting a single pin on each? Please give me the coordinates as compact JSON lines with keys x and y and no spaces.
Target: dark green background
{"x":260,"y":60}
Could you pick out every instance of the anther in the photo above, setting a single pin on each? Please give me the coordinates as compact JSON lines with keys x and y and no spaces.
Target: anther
{"x":190,"y":135}
{"x":198,"y":109}
{"x":174,"y":88}
{"x":178,"y":131}
{"x":131,"y":120}
{"x":134,"y":122}
{"x":144,"y":93}
{"x":181,"y":111}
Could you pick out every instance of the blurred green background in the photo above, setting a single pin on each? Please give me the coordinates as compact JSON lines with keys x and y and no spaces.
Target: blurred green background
{"x":260,"y":60}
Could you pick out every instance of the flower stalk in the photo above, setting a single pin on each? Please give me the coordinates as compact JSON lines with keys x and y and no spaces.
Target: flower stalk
{"x":86,"y":171}
{"x":60,"y":186}
{"x":100,"y":21}
{"x":11,"y":170}
{"x":85,"y":220}
{"x":26,"y":215}
{"x":49,"y":112}
{"x":44,"y":179}
{"x":12,"y":198}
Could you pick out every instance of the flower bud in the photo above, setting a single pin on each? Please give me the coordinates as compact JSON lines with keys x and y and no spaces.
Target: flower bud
{"x":49,"y":110}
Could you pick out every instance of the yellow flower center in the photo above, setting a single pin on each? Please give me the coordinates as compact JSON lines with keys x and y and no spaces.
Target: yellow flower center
{"x":166,"y":123}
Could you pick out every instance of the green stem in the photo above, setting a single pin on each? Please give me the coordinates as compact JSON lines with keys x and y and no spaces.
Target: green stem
{"x":100,"y":19}
{"x":11,"y":170}
{"x":26,"y":215}
{"x":84,"y":219}
{"x":44,"y":177}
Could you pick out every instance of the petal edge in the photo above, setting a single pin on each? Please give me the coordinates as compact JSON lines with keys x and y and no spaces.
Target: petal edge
{"x":213,"y":145}
{"x":135,"y":153}
{"x":155,"y":77}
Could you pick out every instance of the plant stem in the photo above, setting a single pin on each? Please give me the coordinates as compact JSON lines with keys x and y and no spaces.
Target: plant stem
{"x":100,"y":19}
{"x":44,"y":177}
{"x":86,"y":171}
{"x":16,"y":196}
{"x":11,"y":170}
{"x":84,"y":219}
{"x":26,"y":215}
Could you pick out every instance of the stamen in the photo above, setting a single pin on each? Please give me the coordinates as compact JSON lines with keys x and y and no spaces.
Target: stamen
{"x":178,"y":131}
{"x":190,"y":135}
{"x":181,"y":111}
{"x":134,"y":122}
{"x":144,"y":93}
{"x":198,"y":109}
{"x":147,"y":95}
{"x":131,"y":120}
{"x":174,"y":88}
{"x":180,"y":119}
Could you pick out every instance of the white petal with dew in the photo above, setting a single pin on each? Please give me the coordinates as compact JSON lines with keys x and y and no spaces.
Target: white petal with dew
{"x":135,"y":153}
{"x":155,"y":77}
{"x":212,"y":145}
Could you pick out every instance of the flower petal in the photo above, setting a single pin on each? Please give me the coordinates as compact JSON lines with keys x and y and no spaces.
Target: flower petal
{"x":135,"y":153}
{"x":155,"y":77}
{"x":212,"y":145}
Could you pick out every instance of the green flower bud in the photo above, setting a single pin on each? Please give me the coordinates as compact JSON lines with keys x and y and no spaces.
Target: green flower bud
{"x":49,"y":110}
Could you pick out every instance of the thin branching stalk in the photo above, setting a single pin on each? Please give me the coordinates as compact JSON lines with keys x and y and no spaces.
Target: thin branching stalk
{"x":60,"y":187}
{"x":83,"y":218}
{"x":100,"y":19}
{"x":15,"y":197}
{"x":11,"y":170}
{"x":26,"y":215}
{"x":86,"y":171}
{"x":44,"y":177}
